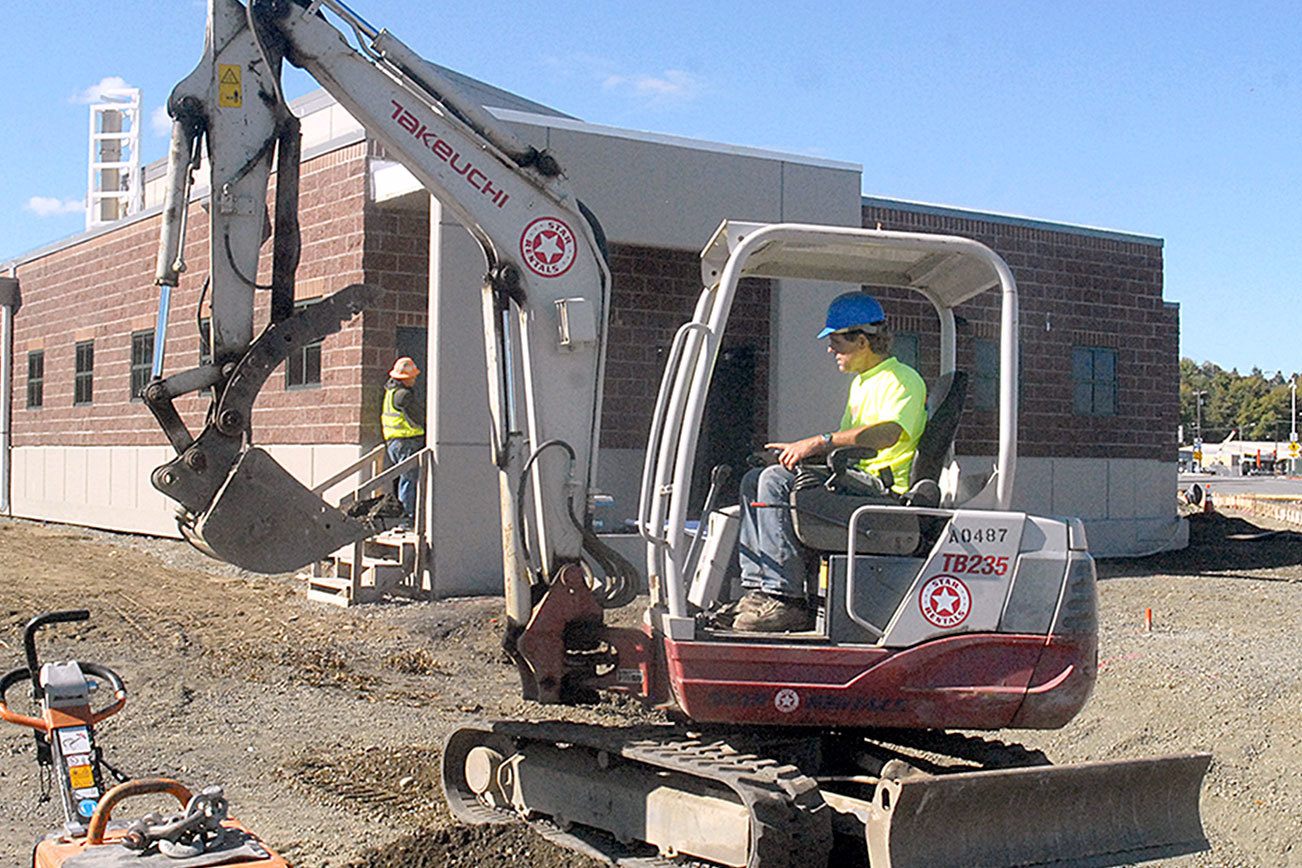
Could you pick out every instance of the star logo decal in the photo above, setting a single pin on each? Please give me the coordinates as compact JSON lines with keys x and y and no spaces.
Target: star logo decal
{"x":945,"y":601}
{"x":548,"y":247}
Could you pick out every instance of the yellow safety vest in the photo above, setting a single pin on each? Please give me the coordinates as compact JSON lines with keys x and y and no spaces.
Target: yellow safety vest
{"x":395,"y":422}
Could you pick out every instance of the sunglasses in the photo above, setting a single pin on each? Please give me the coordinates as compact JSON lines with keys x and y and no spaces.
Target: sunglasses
{"x":844,"y":340}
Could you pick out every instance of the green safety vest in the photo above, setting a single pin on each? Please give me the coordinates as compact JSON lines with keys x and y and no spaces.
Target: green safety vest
{"x":395,"y":422}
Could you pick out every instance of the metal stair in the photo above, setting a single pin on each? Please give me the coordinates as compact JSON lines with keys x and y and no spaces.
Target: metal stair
{"x":387,"y":565}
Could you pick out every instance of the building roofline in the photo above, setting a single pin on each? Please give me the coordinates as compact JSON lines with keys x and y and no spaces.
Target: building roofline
{"x":1011,"y":220}
{"x":575,"y":125}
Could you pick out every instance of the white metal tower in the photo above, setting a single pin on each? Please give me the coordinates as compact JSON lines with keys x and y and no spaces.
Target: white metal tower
{"x":116,"y":189}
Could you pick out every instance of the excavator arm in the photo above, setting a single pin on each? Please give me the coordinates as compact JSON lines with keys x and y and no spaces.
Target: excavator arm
{"x":545,"y":294}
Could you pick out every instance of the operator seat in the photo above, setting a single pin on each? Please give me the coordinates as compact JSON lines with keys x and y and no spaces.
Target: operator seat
{"x":821,"y":509}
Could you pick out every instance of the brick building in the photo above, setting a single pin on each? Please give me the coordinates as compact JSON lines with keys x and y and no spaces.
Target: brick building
{"x":1099,"y":345}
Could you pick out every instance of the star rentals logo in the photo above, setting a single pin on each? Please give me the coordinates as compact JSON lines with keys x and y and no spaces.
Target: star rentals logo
{"x":945,"y":601}
{"x":548,"y":247}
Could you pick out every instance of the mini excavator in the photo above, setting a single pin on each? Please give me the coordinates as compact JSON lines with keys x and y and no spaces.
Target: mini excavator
{"x":941,"y":611}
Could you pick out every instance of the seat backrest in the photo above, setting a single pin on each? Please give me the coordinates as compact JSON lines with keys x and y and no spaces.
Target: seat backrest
{"x":947,"y":398}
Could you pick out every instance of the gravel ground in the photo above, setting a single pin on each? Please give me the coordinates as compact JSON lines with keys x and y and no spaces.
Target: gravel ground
{"x":324,"y":724}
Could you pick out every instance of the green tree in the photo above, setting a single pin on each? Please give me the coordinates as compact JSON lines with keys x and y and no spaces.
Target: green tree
{"x":1255,"y":405}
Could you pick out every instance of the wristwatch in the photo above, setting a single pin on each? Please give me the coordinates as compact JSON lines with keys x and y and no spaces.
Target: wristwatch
{"x":827,"y":439}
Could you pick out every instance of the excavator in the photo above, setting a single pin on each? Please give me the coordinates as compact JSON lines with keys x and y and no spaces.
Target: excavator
{"x":940,"y":612}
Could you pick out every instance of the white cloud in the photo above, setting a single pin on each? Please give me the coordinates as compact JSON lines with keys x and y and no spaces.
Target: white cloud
{"x":672,"y":85}
{"x":662,"y":88}
{"x":49,"y":206}
{"x":95,"y":92}
{"x":160,"y":121}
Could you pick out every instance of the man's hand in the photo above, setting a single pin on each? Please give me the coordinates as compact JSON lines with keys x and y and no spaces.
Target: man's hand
{"x":791,"y":454}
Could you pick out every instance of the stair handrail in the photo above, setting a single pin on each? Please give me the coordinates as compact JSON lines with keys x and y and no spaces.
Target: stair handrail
{"x":348,"y":471}
{"x":380,"y":478}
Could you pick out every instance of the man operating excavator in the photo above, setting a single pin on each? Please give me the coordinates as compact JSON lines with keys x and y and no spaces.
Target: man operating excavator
{"x":886,"y":412}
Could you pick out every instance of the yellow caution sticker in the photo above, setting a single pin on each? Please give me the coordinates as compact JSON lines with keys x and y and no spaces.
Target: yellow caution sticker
{"x":81,"y":777}
{"x":230,"y":85}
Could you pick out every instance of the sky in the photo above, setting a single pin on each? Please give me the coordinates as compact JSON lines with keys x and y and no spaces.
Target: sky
{"x":1175,"y":120}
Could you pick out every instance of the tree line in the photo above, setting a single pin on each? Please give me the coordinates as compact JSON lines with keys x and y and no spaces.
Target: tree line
{"x":1258,"y":407}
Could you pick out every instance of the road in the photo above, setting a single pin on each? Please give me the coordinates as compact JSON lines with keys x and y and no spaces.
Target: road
{"x":1271,"y":486}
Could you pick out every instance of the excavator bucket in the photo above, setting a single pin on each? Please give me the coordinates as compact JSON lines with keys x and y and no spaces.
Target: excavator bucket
{"x":265,"y":520}
{"x":1095,"y":813}
{"x":239,"y":505}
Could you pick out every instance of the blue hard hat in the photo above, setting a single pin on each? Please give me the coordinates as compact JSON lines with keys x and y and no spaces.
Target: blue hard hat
{"x":853,"y":310}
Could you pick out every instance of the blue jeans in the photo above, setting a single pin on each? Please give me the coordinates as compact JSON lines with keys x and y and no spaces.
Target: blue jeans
{"x":398,"y":449}
{"x":772,"y":559}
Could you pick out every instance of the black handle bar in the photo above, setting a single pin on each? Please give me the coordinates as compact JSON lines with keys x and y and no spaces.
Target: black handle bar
{"x":29,"y":642}
{"x":103,"y":673}
{"x":9,"y":679}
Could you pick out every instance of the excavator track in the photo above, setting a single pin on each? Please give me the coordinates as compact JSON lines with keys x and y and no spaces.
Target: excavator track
{"x":788,"y":823}
{"x":602,"y":792}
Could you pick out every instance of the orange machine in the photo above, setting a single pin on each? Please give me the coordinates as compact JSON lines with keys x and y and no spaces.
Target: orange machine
{"x":198,"y":834}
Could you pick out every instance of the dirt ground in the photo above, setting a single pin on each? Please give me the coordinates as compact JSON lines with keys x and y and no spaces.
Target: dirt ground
{"x":324,"y":724}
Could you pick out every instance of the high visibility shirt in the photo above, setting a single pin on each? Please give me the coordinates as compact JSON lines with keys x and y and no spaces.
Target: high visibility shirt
{"x":395,"y":422}
{"x":889,"y":392}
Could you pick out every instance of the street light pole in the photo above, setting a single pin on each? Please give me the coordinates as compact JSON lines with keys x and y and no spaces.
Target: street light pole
{"x":1292,"y":435}
{"x":1292,"y":387}
{"x":1198,"y":431}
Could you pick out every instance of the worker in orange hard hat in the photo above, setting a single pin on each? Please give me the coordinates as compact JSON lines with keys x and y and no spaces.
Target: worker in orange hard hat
{"x":403,"y":422}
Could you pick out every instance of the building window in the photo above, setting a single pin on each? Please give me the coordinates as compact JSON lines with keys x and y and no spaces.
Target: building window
{"x":1094,"y":378}
{"x":36,"y":378}
{"x":205,"y":340}
{"x":142,"y":362}
{"x":985,"y":375}
{"x":83,"y":384}
{"x":303,"y":368}
{"x":904,"y":345}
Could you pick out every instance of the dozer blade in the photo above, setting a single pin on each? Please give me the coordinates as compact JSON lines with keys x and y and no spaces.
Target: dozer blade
{"x":265,"y":520}
{"x":1095,"y":813}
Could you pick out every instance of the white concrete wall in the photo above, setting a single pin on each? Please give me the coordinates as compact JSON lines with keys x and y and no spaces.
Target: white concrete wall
{"x":465,"y":545}
{"x":108,"y":486}
{"x":1127,"y":504}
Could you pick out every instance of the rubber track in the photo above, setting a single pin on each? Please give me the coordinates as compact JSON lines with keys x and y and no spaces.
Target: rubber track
{"x":790,"y":824}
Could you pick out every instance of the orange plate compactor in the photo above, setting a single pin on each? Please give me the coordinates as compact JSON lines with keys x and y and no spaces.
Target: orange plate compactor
{"x":198,"y":834}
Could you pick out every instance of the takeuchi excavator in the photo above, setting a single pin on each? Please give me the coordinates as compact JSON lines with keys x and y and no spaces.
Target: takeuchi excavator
{"x":939,"y":611}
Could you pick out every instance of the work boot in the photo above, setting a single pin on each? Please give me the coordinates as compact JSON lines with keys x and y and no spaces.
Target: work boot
{"x":723,"y":616}
{"x":771,"y":614}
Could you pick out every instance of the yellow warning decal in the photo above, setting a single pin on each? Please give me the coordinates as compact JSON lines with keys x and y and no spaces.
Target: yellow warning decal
{"x":230,"y":87}
{"x":81,"y":776}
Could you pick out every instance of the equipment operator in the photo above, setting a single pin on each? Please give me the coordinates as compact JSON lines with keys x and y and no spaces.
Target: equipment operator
{"x":886,"y":411}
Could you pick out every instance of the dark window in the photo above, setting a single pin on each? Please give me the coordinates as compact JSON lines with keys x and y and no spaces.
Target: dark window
{"x":83,"y":384}
{"x":142,"y":362}
{"x":904,"y":345}
{"x":1094,"y":379}
{"x":36,"y":378}
{"x":303,"y":368}
{"x":985,"y":376}
{"x":205,"y":341}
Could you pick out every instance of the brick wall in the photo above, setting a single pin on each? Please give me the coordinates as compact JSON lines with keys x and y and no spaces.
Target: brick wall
{"x":396,"y":259}
{"x":654,"y":292}
{"x":102,"y":288}
{"x":1074,"y":289}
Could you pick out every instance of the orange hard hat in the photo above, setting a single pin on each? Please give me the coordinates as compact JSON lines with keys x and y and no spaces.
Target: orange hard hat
{"x":404,"y":369}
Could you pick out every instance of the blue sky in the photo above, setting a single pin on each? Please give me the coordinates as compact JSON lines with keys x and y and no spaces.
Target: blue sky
{"x":1179,"y":120}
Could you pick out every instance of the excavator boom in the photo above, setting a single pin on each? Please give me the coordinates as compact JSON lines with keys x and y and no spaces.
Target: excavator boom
{"x":545,"y":294}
